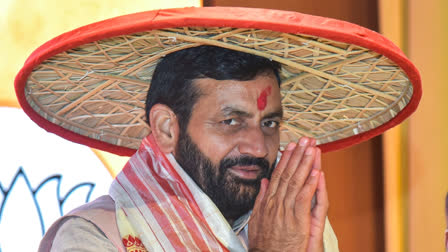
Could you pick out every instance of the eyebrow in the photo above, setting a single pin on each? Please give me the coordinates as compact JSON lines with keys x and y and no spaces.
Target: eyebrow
{"x":229,"y":111}
{"x":275,"y":114}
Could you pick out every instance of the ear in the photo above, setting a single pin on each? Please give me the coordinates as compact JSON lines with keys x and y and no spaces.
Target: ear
{"x":164,"y":127}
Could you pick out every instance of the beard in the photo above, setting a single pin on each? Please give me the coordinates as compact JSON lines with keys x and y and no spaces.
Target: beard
{"x":234,"y":196}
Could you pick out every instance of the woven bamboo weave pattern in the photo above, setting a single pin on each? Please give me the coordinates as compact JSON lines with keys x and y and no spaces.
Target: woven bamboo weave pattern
{"x":330,"y":90}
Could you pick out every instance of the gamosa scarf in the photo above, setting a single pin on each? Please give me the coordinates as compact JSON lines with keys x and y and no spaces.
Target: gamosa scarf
{"x":160,"y":208}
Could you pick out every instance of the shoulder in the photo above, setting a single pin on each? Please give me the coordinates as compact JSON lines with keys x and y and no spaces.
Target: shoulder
{"x":77,"y":233}
{"x":94,"y":222}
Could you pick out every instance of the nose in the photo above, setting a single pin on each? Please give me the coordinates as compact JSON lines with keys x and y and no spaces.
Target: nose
{"x":253,"y":143}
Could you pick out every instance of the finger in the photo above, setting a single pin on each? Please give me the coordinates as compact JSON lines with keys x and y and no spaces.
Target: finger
{"x":263,"y":188}
{"x":318,"y":160}
{"x":292,"y":165}
{"x":313,"y":142}
{"x":304,"y":197}
{"x":284,"y":169}
{"x":318,"y":216}
{"x":276,"y":174}
{"x":320,"y":211}
{"x":300,"y":176}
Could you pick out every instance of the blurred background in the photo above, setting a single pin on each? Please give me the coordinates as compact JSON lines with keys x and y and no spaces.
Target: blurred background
{"x":386,"y":194}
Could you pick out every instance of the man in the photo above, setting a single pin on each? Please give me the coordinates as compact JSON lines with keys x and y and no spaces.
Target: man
{"x":219,"y":113}
{"x":207,"y":177}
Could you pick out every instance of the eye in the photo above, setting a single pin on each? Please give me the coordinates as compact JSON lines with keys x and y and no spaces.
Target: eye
{"x":270,"y":124}
{"x":231,"y":122}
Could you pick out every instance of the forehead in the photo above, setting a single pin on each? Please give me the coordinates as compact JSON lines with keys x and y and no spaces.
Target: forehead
{"x":216,"y":94}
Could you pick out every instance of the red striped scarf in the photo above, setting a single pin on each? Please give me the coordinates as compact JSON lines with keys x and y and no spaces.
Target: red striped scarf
{"x":160,"y":208}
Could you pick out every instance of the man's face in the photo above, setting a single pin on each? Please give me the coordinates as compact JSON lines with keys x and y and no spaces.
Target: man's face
{"x":232,"y":140}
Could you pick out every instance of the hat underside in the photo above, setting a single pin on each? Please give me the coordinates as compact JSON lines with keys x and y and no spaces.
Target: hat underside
{"x":330,"y":90}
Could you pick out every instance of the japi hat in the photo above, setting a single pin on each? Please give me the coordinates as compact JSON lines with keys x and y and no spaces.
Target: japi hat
{"x":341,"y":83}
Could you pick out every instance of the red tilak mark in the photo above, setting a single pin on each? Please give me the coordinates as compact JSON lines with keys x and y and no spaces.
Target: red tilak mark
{"x":262,"y":100}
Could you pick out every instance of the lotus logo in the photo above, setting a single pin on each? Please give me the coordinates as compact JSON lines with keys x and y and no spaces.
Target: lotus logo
{"x":50,"y":186}
{"x":41,"y":178}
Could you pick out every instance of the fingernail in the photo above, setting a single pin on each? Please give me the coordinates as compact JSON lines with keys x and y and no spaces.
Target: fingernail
{"x":314,"y":172}
{"x":309,"y":151}
{"x":265,"y":181}
{"x":291,"y":146}
{"x":303,"y":141}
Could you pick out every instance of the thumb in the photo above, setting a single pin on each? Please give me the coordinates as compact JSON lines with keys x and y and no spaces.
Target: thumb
{"x":263,"y":188}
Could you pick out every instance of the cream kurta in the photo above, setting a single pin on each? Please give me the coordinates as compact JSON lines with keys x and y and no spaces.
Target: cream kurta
{"x":78,"y":233}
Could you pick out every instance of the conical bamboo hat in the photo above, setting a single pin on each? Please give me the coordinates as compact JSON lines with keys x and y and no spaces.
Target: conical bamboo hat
{"x":341,"y":83}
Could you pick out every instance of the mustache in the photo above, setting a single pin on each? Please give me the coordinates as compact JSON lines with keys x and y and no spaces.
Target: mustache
{"x":244,"y":161}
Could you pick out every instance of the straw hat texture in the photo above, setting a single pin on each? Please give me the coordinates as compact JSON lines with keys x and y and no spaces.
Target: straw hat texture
{"x":341,"y":83}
